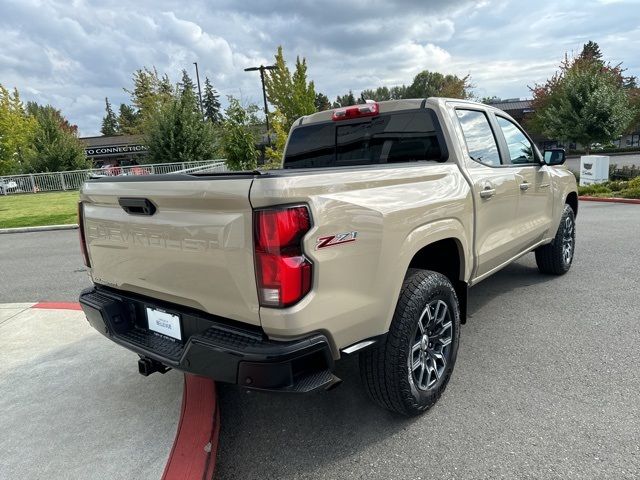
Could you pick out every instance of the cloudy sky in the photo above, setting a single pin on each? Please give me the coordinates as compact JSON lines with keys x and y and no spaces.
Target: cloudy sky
{"x":72,"y":54}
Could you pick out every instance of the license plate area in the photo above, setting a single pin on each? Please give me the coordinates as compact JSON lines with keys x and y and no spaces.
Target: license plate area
{"x":164,"y":323}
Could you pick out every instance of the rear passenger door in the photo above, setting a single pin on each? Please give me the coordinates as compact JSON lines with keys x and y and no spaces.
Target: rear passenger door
{"x":535,"y":204}
{"x":494,"y":187}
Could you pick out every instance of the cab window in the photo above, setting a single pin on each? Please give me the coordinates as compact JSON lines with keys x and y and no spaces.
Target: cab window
{"x":519,"y":146}
{"x":481,"y":143}
{"x":397,"y":137}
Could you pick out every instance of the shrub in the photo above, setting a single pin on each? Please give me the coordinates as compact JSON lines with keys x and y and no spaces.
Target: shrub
{"x":616,"y":186}
{"x":631,"y":193}
{"x":634,"y":184}
{"x":594,"y":190}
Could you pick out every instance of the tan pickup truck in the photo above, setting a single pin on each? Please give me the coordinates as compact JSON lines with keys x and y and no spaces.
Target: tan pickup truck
{"x":365,"y":241}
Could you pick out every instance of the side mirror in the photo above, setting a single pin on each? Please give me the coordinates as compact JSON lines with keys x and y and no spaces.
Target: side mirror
{"x":554,"y":156}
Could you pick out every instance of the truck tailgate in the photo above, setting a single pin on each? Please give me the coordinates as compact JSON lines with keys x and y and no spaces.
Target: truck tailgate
{"x":195,"y":250}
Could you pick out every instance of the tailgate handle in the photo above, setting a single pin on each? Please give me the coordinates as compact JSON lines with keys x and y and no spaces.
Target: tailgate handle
{"x":137,"y":206}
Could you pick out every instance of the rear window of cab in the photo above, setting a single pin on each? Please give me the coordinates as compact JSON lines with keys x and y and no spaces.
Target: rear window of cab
{"x":396,"y":137}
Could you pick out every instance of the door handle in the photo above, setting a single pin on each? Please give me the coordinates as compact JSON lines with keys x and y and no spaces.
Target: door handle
{"x":137,"y":206}
{"x":524,"y":186}
{"x":487,"y":192}
{"x":544,"y":185}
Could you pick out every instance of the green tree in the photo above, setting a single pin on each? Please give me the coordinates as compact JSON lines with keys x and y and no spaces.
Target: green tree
{"x":291,"y":94}
{"x":177,"y":133}
{"x":34,"y":109}
{"x":490,"y":100}
{"x":585,"y":101}
{"x":164,"y":87}
{"x":149,"y":95}
{"x":275,"y":151}
{"x":380,"y":94}
{"x":16,"y":131}
{"x":345,"y":100}
{"x":434,"y":84}
{"x":54,"y":145}
{"x":211,"y":103}
{"x":127,"y":120}
{"x":322,"y":102}
{"x":634,"y":101}
{"x":238,"y":139}
{"x":109,"y":121}
{"x":187,"y":84}
{"x":398,"y":92}
{"x":591,"y":52}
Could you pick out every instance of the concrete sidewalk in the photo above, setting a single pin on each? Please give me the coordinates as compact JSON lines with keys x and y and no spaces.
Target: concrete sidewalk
{"x":73,"y":405}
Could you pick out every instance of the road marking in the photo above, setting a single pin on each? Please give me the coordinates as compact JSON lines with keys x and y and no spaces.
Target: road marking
{"x":58,"y":305}
{"x":193,"y":455}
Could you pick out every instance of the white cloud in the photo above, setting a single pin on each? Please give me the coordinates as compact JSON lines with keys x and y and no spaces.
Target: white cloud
{"x":73,"y":55}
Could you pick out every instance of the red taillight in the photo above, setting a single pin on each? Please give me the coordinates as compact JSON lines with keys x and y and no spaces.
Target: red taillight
{"x":366,"y":110}
{"x":83,"y":241}
{"x":283,"y":273}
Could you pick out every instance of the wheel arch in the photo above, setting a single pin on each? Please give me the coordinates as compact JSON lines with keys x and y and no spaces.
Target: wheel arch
{"x":572,"y":201}
{"x":448,"y":256}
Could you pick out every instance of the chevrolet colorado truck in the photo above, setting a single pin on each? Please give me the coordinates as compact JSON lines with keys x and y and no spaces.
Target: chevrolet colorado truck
{"x":365,"y":241}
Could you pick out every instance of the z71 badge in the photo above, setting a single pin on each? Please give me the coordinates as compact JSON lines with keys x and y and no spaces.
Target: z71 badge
{"x":337,"y":239}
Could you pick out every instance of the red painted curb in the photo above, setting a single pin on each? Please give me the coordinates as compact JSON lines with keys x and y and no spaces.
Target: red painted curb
{"x":58,"y":305}
{"x":633,"y":201}
{"x":193,"y":455}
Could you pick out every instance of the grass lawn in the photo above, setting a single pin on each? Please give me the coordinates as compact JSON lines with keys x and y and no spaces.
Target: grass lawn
{"x":36,"y":209}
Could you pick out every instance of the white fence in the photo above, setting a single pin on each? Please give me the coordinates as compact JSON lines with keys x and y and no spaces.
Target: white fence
{"x":72,"y":180}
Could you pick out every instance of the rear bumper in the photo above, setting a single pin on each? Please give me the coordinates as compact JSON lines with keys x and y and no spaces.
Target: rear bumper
{"x":212,"y":346}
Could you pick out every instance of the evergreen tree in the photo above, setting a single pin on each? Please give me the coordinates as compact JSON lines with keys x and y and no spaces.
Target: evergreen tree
{"x":345,"y":100}
{"x":127,"y":120}
{"x":379,"y":94}
{"x":177,"y":133}
{"x":109,"y":121}
{"x":322,"y":102}
{"x":591,"y":52}
{"x":211,"y":103}
{"x":165,"y":87}
{"x":186,"y":84}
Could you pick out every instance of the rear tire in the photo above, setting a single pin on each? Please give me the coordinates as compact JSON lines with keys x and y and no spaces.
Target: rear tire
{"x":409,"y":371}
{"x":556,"y":257}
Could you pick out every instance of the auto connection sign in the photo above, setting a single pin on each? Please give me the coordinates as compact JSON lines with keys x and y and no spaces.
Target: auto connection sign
{"x":114,"y":150}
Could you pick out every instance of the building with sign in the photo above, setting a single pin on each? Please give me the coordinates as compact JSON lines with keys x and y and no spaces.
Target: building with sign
{"x":116,"y":150}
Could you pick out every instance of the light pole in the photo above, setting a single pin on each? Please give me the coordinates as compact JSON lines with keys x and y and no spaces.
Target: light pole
{"x":199,"y":91}
{"x":262,"y":68}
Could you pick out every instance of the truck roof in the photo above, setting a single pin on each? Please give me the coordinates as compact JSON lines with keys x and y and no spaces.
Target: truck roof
{"x":388,"y":106}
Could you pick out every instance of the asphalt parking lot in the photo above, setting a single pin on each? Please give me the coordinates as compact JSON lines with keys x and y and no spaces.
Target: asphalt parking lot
{"x":547,"y":381}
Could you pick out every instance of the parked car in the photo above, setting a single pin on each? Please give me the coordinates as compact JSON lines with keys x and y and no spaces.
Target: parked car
{"x":7,"y":186}
{"x":364,"y":242}
{"x":111,"y":170}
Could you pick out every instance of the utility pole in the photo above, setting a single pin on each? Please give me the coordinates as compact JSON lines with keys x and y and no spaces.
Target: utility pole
{"x":199,"y":91}
{"x":262,"y":68}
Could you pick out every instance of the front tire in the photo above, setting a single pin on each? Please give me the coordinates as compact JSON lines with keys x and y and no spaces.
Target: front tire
{"x":409,"y":371}
{"x":556,"y":257}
